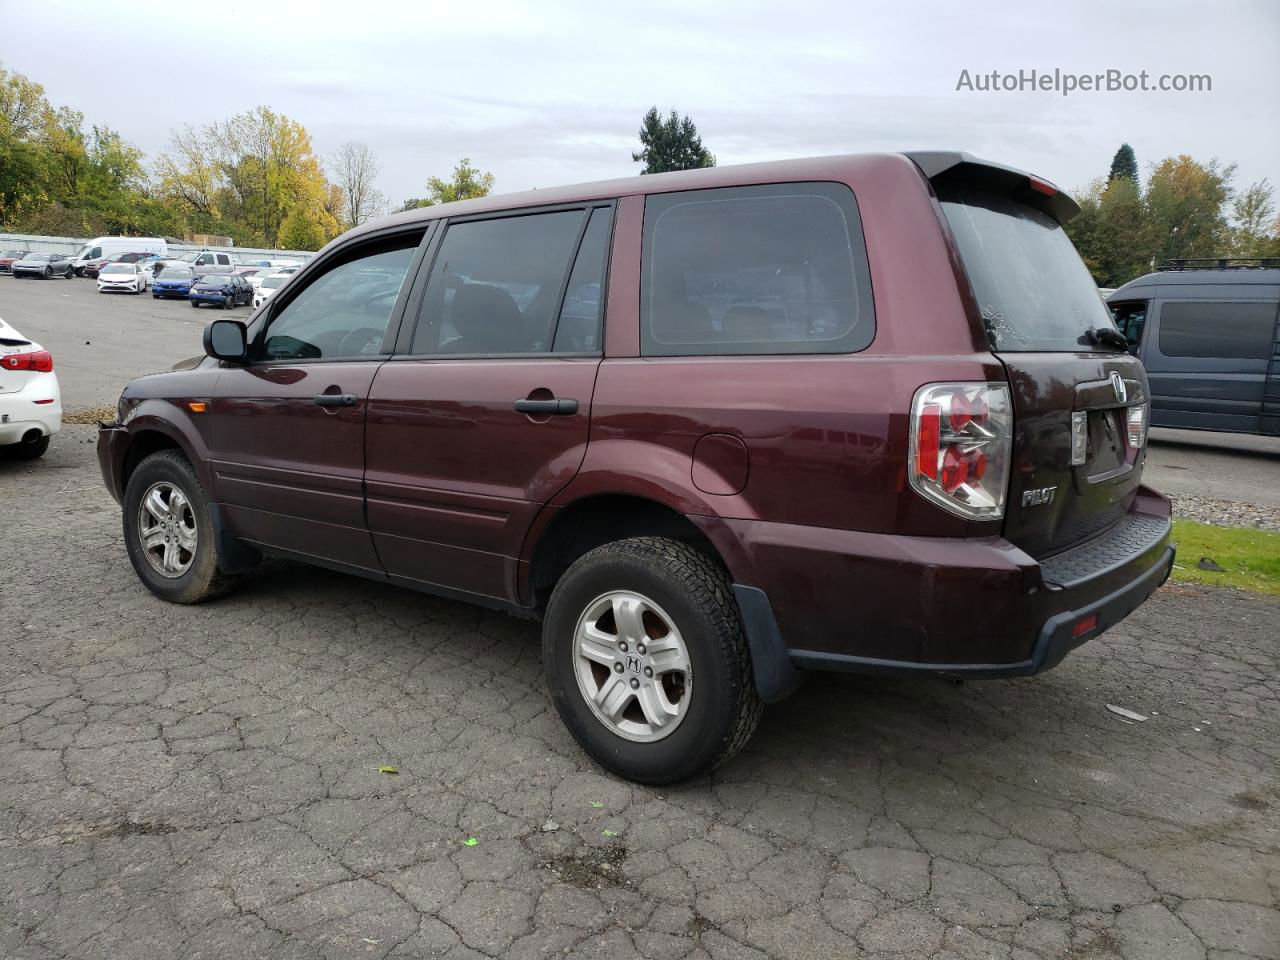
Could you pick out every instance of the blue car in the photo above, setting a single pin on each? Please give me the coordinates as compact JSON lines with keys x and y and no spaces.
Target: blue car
{"x":173,"y":282}
{"x":224,"y":289}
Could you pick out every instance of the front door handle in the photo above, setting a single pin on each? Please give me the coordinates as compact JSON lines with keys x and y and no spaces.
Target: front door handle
{"x":561,"y":407}
{"x":335,"y":399}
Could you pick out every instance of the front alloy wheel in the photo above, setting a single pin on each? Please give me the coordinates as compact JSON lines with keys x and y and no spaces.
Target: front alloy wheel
{"x":167,"y":529}
{"x":632,"y":666}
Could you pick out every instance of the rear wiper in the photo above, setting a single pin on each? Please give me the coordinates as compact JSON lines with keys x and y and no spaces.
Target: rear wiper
{"x":1106,"y":337}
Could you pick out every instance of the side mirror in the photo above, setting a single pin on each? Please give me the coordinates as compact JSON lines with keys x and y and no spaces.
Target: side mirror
{"x":226,"y":340}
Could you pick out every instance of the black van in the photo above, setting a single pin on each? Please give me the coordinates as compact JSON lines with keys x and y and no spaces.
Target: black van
{"x":1208,"y":332}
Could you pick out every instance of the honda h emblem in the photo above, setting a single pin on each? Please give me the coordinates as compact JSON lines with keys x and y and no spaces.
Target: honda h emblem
{"x":633,"y":664}
{"x":1117,"y":384}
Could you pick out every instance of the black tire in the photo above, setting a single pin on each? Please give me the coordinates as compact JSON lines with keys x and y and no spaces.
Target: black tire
{"x":695,"y":591}
{"x":69,"y":274}
{"x":24,"y":450}
{"x":202,"y":580}
{"x":194,"y":303}
{"x":48,"y":273}
{"x":228,"y":302}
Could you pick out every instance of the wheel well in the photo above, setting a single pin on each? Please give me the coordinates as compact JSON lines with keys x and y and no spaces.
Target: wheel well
{"x":592,"y":522}
{"x":144,"y":444}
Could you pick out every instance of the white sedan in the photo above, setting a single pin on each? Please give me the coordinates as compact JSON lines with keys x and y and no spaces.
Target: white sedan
{"x":30,"y":401}
{"x":122,"y":278}
{"x":269,"y":285}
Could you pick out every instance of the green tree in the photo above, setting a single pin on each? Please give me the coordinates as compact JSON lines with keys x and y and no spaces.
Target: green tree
{"x":1124,"y":164}
{"x":24,"y":169}
{"x":245,"y":176}
{"x":465,"y":183}
{"x":1255,"y":225}
{"x":1185,"y":203}
{"x":670,"y":144}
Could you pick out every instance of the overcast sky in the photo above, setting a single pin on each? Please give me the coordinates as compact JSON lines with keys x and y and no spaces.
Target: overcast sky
{"x":550,"y":92}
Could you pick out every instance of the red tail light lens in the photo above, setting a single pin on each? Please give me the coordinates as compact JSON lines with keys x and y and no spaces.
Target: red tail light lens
{"x":961,"y":441}
{"x":38,"y":361}
{"x":927,"y":434}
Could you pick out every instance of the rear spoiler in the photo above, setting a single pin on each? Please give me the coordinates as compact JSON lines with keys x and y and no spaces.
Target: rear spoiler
{"x":944,"y":167}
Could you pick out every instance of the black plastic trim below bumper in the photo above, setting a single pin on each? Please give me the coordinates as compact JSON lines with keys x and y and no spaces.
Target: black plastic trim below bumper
{"x":1053,"y":644}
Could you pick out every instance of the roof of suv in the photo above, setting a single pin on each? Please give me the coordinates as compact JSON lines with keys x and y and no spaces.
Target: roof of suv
{"x":779,"y":171}
{"x":1230,"y":276}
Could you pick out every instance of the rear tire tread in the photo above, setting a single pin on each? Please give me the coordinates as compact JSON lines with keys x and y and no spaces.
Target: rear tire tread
{"x":711,"y":591}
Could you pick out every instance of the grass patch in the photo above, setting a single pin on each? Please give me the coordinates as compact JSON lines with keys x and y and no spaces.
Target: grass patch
{"x":1250,"y":559}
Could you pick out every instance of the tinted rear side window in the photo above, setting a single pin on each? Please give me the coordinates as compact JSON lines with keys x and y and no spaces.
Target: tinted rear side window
{"x":775,"y":269}
{"x":1225,"y":331}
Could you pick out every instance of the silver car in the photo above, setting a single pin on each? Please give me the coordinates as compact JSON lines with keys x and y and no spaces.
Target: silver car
{"x":46,"y":265}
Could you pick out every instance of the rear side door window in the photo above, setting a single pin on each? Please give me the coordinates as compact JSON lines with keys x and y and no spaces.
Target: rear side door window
{"x":772,"y":269}
{"x":512,"y":285}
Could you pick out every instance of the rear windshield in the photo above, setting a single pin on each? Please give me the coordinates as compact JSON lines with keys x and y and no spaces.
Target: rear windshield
{"x":272,"y":282}
{"x":1033,"y":289}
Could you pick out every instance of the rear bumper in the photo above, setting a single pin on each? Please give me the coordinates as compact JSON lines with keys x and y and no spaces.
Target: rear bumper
{"x":850,"y":601}
{"x":36,"y":407}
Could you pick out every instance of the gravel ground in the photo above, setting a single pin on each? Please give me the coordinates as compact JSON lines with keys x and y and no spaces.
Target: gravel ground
{"x":203,"y":782}
{"x":1226,"y":513}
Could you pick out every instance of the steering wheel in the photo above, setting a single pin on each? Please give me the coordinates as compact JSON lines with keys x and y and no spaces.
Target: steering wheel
{"x":355,"y":342}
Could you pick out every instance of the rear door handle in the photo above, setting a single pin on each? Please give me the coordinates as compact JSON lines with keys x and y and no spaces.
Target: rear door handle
{"x":561,"y":407}
{"x":335,"y":399}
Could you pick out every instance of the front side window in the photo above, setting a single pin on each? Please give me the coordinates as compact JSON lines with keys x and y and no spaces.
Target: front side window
{"x":344,"y":311}
{"x":1222,"y":331}
{"x":775,"y":269}
{"x":495,"y":285}
{"x":1130,"y":318}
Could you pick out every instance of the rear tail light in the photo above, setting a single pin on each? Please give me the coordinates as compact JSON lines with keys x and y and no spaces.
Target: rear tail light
{"x":1079,"y":437}
{"x":961,"y":440}
{"x":38,"y":361}
{"x":1136,"y":419}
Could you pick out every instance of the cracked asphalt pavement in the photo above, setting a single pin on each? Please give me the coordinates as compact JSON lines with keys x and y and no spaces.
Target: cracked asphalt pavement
{"x":204,"y":782}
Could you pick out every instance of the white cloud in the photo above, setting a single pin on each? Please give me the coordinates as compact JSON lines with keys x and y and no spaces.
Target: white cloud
{"x":553,"y":92}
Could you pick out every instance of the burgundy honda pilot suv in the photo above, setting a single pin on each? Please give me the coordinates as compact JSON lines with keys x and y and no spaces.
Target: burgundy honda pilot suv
{"x":716,"y":429}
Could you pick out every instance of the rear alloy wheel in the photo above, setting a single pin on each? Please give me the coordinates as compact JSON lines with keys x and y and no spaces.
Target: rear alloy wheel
{"x":169,"y":531}
{"x":647,"y":661}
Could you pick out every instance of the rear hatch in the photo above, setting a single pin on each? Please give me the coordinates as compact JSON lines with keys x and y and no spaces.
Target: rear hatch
{"x":1046,"y":322}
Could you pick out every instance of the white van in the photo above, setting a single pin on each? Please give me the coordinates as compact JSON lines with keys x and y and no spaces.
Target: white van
{"x":100,"y":248}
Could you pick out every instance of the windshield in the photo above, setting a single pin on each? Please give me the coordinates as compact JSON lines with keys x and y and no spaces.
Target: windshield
{"x":272,"y":282}
{"x":1033,"y":290}
{"x":117,"y":268}
{"x":177,"y":273}
{"x":39,"y":256}
{"x":14,"y":253}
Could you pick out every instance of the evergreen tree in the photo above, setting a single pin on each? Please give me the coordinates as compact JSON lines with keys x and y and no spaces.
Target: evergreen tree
{"x":670,"y":144}
{"x":1124,"y":164}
